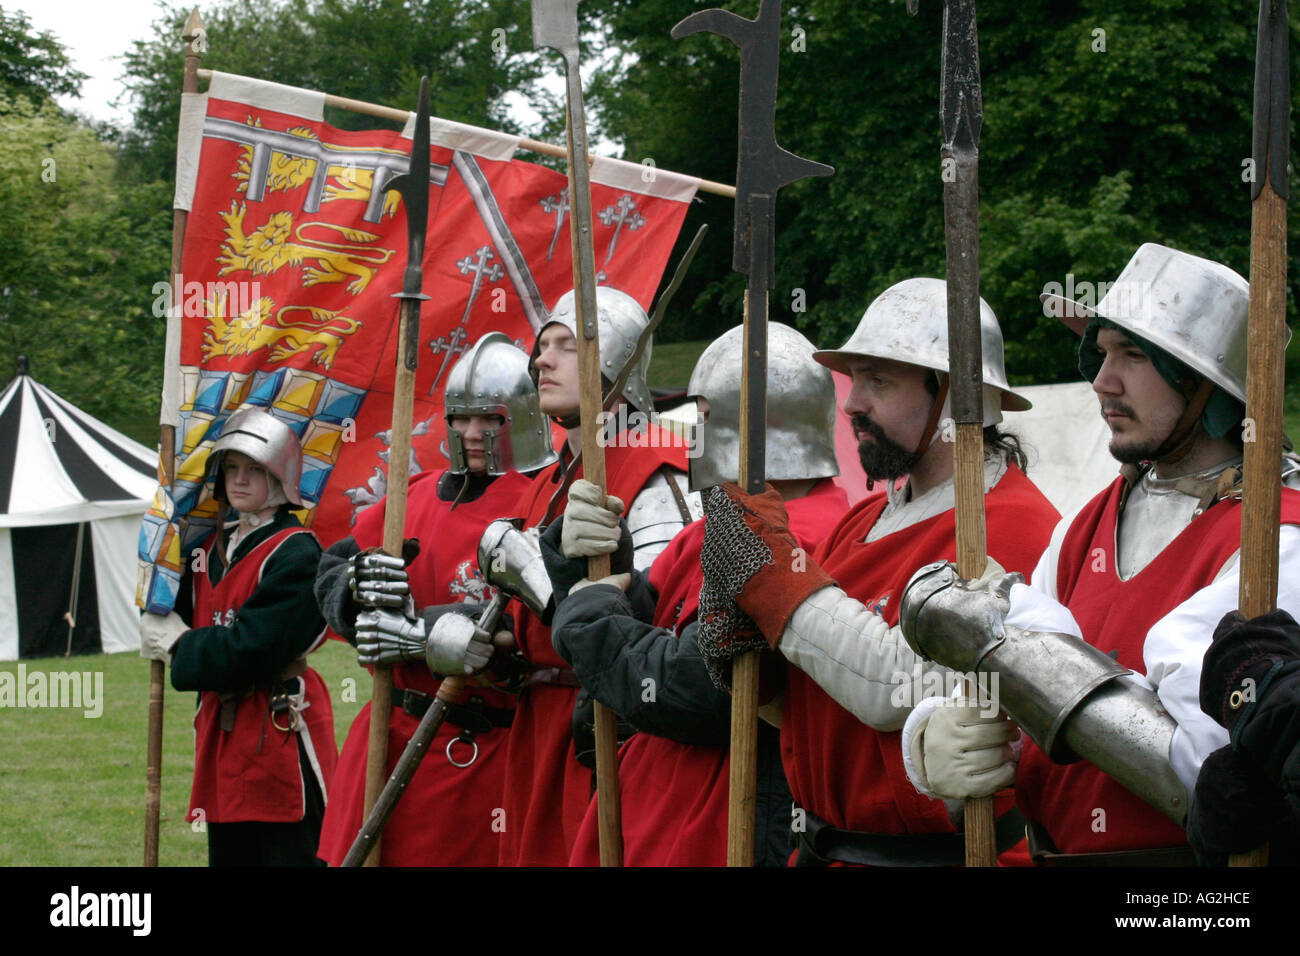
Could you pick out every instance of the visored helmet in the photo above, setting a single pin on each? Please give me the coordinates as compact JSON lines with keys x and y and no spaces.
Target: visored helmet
{"x":492,"y":378}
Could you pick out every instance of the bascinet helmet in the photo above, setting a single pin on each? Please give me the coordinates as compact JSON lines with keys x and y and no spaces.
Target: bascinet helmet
{"x":908,"y":322}
{"x":800,"y":410}
{"x":261,"y":436}
{"x":492,"y":378}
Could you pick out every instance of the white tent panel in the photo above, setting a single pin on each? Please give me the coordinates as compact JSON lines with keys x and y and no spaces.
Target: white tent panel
{"x":8,"y":600}
{"x":1068,"y":443}
{"x":39,"y":483}
{"x":114,"y":542}
{"x":97,"y":439}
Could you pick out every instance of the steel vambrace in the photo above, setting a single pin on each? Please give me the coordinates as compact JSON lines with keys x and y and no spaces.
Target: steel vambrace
{"x":1064,"y":693}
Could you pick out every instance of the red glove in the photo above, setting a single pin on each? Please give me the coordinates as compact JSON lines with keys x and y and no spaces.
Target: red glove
{"x":750,"y":554}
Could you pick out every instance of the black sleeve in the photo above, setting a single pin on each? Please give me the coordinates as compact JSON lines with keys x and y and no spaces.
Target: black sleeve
{"x":278,"y":623}
{"x":647,"y":675}
{"x":333,"y":595}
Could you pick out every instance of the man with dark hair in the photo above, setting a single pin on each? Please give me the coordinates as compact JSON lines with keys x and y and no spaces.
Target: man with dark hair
{"x":854,"y":680}
{"x":1129,"y":591}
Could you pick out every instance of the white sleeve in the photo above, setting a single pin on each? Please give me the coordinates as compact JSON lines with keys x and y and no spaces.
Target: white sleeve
{"x":860,"y":661}
{"x":1176,"y":645}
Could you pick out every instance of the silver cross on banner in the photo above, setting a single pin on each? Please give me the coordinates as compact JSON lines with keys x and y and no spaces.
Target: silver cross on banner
{"x":558,"y":205}
{"x":623,"y":212}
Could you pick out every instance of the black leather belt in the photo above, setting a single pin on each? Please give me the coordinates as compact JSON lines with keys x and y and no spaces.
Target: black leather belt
{"x":1044,"y":853}
{"x":557,"y":676}
{"x":820,"y":844}
{"x":473,"y":716}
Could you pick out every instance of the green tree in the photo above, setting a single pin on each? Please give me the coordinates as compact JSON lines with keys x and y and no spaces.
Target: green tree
{"x":1106,"y":123}
{"x":75,"y":258}
{"x":474,"y":51}
{"x":34,"y":65}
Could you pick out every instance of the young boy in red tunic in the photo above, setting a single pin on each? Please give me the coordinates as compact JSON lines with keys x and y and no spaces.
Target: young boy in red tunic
{"x":496,"y":436}
{"x":264,"y":731}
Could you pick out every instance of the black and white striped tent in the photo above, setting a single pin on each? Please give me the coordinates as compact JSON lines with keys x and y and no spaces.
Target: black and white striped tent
{"x":72,"y":491}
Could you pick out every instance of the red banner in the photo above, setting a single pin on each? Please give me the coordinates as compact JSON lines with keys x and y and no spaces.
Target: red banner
{"x":293,"y":251}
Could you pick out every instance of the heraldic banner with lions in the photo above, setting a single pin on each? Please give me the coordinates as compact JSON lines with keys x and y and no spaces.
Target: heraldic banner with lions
{"x":293,"y":250}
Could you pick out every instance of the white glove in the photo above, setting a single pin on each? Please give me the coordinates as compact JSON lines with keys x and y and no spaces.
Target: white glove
{"x":158,"y":635}
{"x":590,"y":522}
{"x":961,"y":752}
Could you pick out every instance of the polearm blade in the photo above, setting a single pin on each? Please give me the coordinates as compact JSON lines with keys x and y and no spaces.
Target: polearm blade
{"x":414,"y":189}
{"x":961,"y":113}
{"x":1266,"y":335}
{"x":555,"y":25}
{"x":762,"y":168}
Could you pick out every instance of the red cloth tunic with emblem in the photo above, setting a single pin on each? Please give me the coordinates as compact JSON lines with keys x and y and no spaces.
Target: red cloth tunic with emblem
{"x":445,"y":815}
{"x":838,"y":768}
{"x":674,"y":795}
{"x":251,"y":773}
{"x":1116,"y":615}
{"x":547,"y":790}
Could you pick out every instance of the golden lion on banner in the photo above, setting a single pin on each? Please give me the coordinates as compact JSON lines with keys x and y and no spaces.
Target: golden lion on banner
{"x":269,"y":248}
{"x":256,"y":329}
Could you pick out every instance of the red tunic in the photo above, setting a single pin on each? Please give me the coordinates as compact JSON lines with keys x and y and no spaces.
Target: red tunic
{"x":674,"y":795}
{"x":251,"y":772}
{"x":1116,"y":615}
{"x":547,"y":790}
{"x":445,"y":815}
{"x":839,"y":768}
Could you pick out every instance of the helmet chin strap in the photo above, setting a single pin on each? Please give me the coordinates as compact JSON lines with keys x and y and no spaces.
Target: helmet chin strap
{"x":1182,"y":439}
{"x":932,"y":423}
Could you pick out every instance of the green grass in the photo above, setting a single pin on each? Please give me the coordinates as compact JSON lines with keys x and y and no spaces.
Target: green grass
{"x":671,"y":363}
{"x":72,"y":787}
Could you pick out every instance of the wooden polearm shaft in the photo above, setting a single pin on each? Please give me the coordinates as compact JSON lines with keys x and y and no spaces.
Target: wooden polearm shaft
{"x":1266,"y":334}
{"x":961,"y":115}
{"x":532,"y":145}
{"x":555,"y":25}
{"x":414,"y":188}
{"x":762,"y":169}
{"x":193,"y":43}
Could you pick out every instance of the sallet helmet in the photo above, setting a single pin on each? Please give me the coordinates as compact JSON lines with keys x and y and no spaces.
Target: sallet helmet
{"x":492,"y":378}
{"x":619,"y":323}
{"x":800,"y":410}
{"x":261,"y":436}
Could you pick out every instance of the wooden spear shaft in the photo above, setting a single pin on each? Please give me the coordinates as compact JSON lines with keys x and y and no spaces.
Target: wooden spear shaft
{"x":1266,"y":333}
{"x":192,"y":45}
